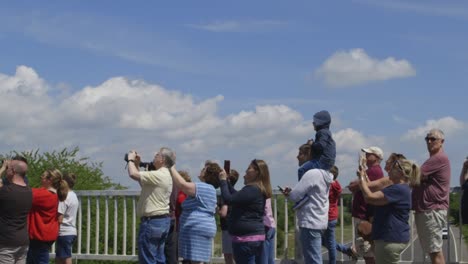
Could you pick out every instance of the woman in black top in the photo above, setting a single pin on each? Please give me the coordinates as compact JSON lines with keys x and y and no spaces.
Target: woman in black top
{"x":245,"y":222}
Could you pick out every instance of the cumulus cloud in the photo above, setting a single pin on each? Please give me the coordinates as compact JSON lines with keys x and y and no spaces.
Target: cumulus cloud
{"x":448,"y":125}
{"x":238,"y":26}
{"x":348,"y":68}
{"x":121,"y":114}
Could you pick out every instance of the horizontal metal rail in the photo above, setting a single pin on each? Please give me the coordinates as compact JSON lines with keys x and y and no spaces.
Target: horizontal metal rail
{"x":107,"y":227}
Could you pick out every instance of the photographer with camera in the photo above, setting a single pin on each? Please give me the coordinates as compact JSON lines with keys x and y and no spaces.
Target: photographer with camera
{"x":149,"y":166}
{"x":153,"y":204}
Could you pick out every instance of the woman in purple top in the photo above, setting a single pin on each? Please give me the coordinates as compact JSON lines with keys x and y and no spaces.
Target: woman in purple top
{"x":245,"y":222}
{"x":390,"y":228}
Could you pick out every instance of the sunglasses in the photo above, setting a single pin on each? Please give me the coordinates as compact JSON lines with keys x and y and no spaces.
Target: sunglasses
{"x":430,"y":139}
{"x":397,"y":162}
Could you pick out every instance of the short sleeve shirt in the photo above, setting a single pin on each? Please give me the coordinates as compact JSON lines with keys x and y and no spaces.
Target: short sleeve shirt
{"x":15,"y":203}
{"x":391,"y":220}
{"x":156,"y":189}
{"x":69,"y":209}
{"x":433,"y":193}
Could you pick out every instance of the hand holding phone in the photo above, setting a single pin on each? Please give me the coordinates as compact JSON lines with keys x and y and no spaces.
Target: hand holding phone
{"x":227,"y":167}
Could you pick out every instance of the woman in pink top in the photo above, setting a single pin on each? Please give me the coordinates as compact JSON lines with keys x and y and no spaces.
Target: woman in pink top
{"x":268,"y":254}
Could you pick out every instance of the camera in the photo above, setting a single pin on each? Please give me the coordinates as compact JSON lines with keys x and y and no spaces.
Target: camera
{"x":148,"y":165}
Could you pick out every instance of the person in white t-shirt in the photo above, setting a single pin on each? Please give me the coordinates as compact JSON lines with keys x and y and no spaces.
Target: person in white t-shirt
{"x":67,"y":218}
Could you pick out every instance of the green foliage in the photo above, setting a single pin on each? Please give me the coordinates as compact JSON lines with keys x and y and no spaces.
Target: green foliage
{"x":454,"y":210}
{"x":89,"y":173}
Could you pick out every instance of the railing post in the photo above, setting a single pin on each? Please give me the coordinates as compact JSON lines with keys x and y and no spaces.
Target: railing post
{"x":275,"y":212}
{"x":115,"y":224}
{"x":133,"y":225}
{"x":80,"y":224}
{"x":106,"y":226}
{"x":97,"y":224}
{"x":88,"y":225}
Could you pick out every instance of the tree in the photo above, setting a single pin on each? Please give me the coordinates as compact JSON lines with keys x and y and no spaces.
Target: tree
{"x":89,"y":173}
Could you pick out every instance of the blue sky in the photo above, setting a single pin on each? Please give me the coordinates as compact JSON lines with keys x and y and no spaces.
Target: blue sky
{"x":233,"y":80}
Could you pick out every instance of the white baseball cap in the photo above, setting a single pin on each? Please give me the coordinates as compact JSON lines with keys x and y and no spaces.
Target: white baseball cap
{"x":374,"y":150}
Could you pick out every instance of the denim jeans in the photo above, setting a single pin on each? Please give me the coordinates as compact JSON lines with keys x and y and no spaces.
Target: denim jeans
{"x":151,"y":239}
{"x":38,"y":252}
{"x":247,"y":252}
{"x":328,"y":241}
{"x":170,"y":248}
{"x":343,"y":248}
{"x":268,"y":252}
{"x":311,"y":240}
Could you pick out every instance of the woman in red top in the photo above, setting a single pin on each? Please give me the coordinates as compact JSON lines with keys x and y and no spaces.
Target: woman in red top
{"x":43,"y":217}
{"x":181,"y":196}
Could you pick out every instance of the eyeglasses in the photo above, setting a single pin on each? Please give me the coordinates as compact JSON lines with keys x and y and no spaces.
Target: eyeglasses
{"x":397,"y":162}
{"x":430,"y":139}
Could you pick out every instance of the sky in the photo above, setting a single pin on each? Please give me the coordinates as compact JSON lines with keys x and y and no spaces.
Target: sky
{"x":234,"y":80}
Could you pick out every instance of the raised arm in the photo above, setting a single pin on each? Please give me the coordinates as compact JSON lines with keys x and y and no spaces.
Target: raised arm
{"x":188,"y":188}
{"x":374,"y":198}
{"x":133,"y":163}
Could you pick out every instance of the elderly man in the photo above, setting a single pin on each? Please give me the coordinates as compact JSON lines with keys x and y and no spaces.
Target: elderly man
{"x":431,"y":198}
{"x":153,"y":204}
{"x":15,"y":203}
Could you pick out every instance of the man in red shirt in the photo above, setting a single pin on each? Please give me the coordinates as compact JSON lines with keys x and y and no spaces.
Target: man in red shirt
{"x":361,"y":211}
{"x":430,"y":199}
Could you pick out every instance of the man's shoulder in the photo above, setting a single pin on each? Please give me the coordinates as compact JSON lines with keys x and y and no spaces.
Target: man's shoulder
{"x":312,"y":173}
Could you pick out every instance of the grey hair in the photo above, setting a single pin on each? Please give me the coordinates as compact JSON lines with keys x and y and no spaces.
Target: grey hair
{"x":208,"y":162}
{"x":437,"y":132}
{"x":168,"y":155}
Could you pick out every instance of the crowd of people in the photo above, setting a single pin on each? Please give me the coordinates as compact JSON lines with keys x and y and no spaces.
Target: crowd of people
{"x":32,"y":219}
{"x":177,"y":215}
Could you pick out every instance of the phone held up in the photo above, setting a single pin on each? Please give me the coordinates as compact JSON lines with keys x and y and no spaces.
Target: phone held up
{"x":227,"y":167}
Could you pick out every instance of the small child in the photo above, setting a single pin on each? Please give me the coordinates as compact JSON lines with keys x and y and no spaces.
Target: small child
{"x":323,"y":145}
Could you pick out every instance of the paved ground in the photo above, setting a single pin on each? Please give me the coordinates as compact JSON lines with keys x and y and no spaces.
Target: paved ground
{"x":413,"y":253}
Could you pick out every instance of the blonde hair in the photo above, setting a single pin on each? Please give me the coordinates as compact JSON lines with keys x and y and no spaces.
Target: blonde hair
{"x":411,"y":171}
{"x":263,"y":179}
{"x":56,"y":178}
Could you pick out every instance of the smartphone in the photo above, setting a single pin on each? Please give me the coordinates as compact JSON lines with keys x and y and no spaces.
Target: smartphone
{"x":227,"y":167}
{"x":280,"y":188}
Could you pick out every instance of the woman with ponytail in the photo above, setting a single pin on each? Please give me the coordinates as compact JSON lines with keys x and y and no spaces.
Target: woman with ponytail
{"x":43,"y":217}
{"x":390,"y":228}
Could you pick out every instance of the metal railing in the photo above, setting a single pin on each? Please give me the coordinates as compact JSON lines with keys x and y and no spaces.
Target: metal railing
{"x":114,"y":238}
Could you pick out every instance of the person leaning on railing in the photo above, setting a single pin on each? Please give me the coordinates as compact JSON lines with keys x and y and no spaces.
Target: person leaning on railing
{"x":390,"y":228}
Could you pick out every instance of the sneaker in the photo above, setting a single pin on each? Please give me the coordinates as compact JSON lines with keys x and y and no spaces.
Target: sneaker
{"x":351,"y":252}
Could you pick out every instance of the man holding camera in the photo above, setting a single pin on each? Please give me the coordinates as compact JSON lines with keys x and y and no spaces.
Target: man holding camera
{"x":15,"y":203}
{"x":153,"y":204}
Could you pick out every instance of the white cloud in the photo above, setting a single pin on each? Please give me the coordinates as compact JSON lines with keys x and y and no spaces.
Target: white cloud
{"x":448,"y":125}
{"x":356,"y":67}
{"x":239,"y":26}
{"x":437,"y":8}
